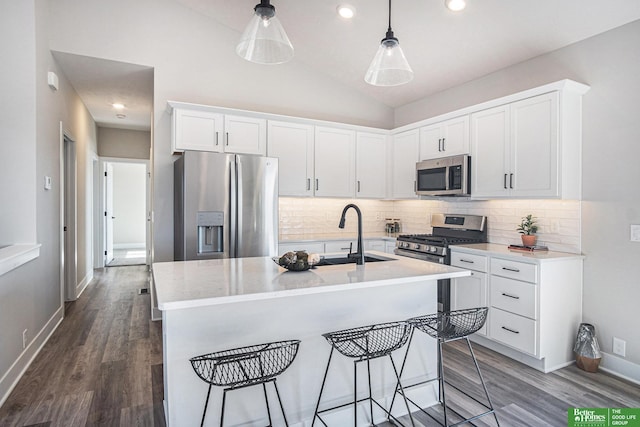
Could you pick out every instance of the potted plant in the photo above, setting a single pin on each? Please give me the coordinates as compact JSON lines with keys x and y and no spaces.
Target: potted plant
{"x":528,"y":229}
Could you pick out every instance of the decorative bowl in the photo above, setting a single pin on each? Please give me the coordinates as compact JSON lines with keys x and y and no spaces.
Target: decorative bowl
{"x":297,"y":261}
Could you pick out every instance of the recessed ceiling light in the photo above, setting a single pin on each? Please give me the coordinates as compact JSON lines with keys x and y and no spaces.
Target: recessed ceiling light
{"x":118,"y":106}
{"x":346,"y":11}
{"x":455,"y":5}
{"x":121,"y":116}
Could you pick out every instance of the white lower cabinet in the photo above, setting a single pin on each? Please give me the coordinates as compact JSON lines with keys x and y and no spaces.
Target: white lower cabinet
{"x":535,"y":302}
{"x":344,"y":246}
{"x":310,"y":247}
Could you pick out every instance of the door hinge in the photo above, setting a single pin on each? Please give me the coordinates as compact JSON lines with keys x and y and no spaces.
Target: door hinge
{"x":105,"y":213}
{"x":105,"y":252}
{"x":64,"y":228}
{"x":105,"y":173}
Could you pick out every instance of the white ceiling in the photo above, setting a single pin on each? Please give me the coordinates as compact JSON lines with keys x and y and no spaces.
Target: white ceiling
{"x":444,"y":48}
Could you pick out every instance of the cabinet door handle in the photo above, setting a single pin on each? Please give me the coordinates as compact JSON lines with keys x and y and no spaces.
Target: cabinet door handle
{"x":510,"y":180}
{"x":317,"y":184}
{"x":510,"y":296}
{"x":216,"y":138}
{"x":415,"y":186}
{"x":467,"y":261}
{"x":505,"y":181}
{"x":358,"y":186}
{"x":308,"y":184}
{"x":515,"y":270}
{"x":510,"y":330}
{"x":439,"y":144}
{"x":227,"y":138}
{"x":443,"y":140}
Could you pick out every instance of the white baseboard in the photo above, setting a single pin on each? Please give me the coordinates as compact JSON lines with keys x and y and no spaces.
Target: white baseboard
{"x":80,"y":287}
{"x":620,"y":367}
{"x":20,"y":366}
{"x":129,"y":245}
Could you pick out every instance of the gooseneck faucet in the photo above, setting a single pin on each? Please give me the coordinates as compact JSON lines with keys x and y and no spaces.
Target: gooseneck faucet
{"x":360,"y":252}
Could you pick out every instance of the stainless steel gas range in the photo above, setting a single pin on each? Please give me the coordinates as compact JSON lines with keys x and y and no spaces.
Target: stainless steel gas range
{"x":448,"y":230}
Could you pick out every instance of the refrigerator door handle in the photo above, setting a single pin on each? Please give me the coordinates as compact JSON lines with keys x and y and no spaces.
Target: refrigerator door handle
{"x":234,"y":224}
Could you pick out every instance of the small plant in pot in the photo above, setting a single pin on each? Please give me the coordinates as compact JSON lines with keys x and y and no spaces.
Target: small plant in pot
{"x":528,"y":229}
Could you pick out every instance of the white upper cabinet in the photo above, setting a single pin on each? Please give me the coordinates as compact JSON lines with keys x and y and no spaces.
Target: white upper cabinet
{"x":448,"y":138}
{"x":371,"y":165}
{"x":405,"y":148}
{"x":201,"y":128}
{"x":335,"y":162}
{"x":292,"y":144}
{"x":197,"y":130}
{"x":515,"y":150}
{"x":245,"y":135}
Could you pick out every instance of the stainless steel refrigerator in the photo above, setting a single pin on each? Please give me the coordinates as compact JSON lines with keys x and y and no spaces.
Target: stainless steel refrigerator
{"x":225,"y":206}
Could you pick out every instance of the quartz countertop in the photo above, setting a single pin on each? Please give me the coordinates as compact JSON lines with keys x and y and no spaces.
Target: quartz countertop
{"x":187,"y":284}
{"x":503,"y":250}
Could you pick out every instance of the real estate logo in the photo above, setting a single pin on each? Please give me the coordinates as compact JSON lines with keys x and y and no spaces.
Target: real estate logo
{"x":603,"y":417}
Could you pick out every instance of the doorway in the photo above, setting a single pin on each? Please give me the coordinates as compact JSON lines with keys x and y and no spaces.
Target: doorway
{"x":124,"y":227}
{"x":68,"y":216}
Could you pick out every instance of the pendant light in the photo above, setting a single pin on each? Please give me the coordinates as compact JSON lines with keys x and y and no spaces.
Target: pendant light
{"x":389,"y":67}
{"x":264,"y":41}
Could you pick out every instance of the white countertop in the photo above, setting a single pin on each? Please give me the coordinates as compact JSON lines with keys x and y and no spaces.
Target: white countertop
{"x":187,"y":284}
{"x":503,"y":250}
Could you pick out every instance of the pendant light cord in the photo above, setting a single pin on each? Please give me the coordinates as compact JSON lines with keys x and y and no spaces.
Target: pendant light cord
{"x":389,"y":16}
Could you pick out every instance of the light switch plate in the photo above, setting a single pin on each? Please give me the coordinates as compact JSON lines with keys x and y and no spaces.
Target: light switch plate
{"x":635,"y":233}
{"x":47,"y":183}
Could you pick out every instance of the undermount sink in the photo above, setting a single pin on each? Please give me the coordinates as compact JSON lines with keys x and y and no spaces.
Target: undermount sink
{"x":344,"y":260}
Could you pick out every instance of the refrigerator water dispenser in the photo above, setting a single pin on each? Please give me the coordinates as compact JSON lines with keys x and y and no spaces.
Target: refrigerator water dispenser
{"x":210,"y":232}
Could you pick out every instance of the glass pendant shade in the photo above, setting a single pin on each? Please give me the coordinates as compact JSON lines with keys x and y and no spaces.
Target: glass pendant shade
{"x":264,"y":41}
{"x":389,"y":67}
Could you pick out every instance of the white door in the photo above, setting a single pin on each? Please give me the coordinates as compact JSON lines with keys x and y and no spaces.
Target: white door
{"x":470,"y":292}
{"x":431,"y":142}
{"x":292,"y":144}
{"x":371,"y":165}
{"x":245,"y":135}
{"x":455,"y":136}
{"x":108,"y":213}
{"x":335,"y":162}
{"x":490,"y":153}
{"x":405,"y":148}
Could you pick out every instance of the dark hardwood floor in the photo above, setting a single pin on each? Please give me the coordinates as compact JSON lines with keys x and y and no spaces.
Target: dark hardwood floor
{"x":103,"y":367}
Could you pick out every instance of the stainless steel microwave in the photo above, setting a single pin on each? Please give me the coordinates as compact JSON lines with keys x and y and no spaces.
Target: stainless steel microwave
{"x":448,"y":176}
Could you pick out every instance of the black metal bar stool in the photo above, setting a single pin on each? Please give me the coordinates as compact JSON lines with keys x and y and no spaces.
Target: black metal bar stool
{"x":245,"y":367}
{"x":363,"y":344}
{"x":446,"y":327}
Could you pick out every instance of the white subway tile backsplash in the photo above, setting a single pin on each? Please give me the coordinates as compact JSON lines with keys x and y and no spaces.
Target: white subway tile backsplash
{"x":559,"y":220}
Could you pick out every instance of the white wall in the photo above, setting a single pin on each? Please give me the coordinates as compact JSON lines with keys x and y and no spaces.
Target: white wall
{"x":610,"y":64}
{"x":194,"y":60}
{"x":129,"y":200}
{"x":124,"y":143}
{"x":30,"y":296}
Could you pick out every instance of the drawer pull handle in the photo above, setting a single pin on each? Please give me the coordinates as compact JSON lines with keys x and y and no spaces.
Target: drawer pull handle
{"x":467,"y":261}
{"x":515,"y":270}
{"x":510,"y":296}
{"x":510,"y":330}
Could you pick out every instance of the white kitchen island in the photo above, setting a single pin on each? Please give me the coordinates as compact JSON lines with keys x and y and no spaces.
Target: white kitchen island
{"x":214,"y":305}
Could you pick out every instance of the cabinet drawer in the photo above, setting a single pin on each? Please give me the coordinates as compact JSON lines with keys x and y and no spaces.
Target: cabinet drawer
{"x":513,"y":330}
{"x":469,"y":261}
{"x":340,"y":246}
{"x":514,"y":296}
{"x":514,"y":270}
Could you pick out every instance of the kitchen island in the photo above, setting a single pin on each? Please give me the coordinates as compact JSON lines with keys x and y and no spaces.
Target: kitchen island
{"x":214,"y":305}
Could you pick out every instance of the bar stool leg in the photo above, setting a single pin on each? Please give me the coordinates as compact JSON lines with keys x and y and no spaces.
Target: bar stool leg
{"x":486,"y":392}
{"x":206,"y":403}
{"x":355,"y":393}
{"x":266,"y":400}
{"x":284,"y":416}
{"x":399,"y":385}
{"x":370,"y":394}
{"x":324,"y":380}
{"x":404,"y":361}
{"x":441,"y":381}
{"x":224,"y":399}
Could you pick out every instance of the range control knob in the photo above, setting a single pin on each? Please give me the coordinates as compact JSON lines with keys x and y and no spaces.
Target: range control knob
{"x":434,"y":249}
{"x":417,"y":247}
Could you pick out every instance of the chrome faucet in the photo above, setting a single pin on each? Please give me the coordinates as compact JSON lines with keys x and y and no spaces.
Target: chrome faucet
{"x":359,"y":255}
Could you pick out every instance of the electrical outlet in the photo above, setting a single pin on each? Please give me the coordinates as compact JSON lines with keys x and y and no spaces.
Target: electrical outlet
{"x":619,"y":347}
{"x":24,"y":339}
{"x":635,"y":233}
